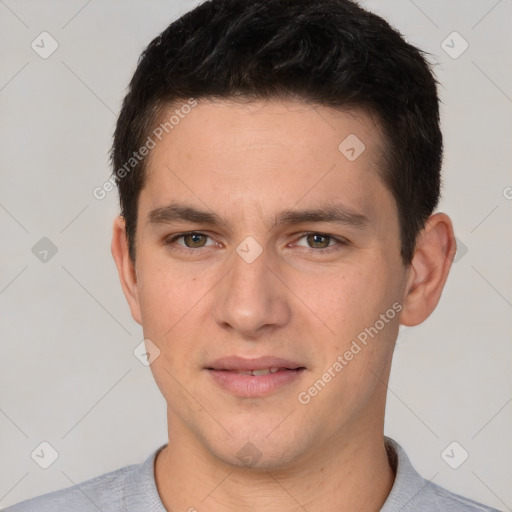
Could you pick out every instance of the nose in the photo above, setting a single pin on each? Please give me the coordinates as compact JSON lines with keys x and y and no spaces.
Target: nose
{"x":252,"y":299}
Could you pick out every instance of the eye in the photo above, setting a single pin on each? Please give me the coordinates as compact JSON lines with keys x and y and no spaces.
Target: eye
{"x":321,"y":242}
{"x":191,"y":240}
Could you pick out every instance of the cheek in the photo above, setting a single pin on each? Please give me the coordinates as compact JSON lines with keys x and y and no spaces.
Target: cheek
{"x":349,"y":298}
{"x":360,"y":341}
{"x":170,"y":307}
{"x":351,"y":306}
{"x":167,"y":297}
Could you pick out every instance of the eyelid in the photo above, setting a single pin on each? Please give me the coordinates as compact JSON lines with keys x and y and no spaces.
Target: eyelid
{"x":341,"y":243}
{"x":326,"y":235}
{"x":173,"y":238}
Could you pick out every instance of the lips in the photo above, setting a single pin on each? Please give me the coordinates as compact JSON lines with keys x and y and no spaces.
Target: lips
{"x":254,"y":377}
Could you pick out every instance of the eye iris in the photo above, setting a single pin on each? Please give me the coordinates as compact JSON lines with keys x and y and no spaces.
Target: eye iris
{"x":195,"y":238}
{"x":316,"y":239}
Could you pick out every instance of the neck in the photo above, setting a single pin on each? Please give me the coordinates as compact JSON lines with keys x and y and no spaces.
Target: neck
{"x":341,"y":475}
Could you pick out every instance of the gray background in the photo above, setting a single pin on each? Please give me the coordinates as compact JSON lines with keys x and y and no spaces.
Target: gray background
{"x":68,"y":375}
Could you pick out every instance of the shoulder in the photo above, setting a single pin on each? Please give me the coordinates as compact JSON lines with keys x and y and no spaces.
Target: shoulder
{"x":412,"y":493}
{"x":110,"y":492}
{"x":434,"y":497}
{"x":104,"y":491}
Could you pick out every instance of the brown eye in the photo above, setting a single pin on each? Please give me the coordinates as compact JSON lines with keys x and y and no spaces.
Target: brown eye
{"x":191,"y":240}
{"x":194,"y":240}
{"x":318,"y":241}
{"x":321,"y":243}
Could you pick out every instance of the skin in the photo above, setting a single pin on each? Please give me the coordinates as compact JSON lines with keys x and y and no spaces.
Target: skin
{"x":296,"y":300}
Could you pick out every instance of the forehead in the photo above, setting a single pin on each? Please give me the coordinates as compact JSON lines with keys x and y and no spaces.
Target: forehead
{"x":252,"y":125}
{"x":266,"y":154}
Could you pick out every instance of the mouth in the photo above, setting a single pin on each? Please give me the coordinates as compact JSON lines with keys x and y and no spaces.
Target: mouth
{"x":264,"y":371}
{"x":254,"y":377}
{"x":268,"y":364}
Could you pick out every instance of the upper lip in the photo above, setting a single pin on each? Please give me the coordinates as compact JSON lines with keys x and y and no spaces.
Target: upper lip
{"x":260,"y":363}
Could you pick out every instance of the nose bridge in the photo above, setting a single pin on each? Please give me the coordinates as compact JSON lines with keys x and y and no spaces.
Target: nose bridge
{"x":250,"y":296}
{"x":250,"y":266}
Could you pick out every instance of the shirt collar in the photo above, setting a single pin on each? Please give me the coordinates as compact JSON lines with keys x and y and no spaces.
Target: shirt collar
{"x":142,"y":493}
{"x":408,"y":483}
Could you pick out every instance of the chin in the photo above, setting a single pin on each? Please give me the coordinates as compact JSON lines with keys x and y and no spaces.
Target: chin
{"x":255,"y":449}
{"x":251,"y":457}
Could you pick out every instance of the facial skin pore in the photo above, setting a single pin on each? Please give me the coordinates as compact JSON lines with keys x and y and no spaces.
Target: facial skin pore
{"x":303,"y":298}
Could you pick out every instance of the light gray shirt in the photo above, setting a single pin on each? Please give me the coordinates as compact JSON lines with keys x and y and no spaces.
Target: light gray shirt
{"x":133,"y":489}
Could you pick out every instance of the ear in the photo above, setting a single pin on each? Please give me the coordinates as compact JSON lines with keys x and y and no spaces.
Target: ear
{"x":431,"y":263}
{"x":125,"y":267}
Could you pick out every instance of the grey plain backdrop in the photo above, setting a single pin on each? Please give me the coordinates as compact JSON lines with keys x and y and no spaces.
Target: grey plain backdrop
{"x":68,"y":374}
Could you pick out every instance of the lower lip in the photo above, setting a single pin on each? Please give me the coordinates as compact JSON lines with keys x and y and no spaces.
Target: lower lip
{"x":254,"y":385}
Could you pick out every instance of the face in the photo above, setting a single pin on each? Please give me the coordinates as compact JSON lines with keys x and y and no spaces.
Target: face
{"x":262,"y":245}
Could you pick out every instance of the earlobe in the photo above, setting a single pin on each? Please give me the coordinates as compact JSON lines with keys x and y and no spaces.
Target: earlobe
{"x":430,"y":266}
{"x":125,"y":267}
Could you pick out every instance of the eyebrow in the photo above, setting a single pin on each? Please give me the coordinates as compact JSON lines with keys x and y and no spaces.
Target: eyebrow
{"x":332,"y":213}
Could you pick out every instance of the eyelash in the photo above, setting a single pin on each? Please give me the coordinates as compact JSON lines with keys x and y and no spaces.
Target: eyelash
{"x":326,"y":250}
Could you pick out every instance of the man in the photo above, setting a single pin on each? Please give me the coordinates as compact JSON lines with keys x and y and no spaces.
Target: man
{"x":278,"y":165}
